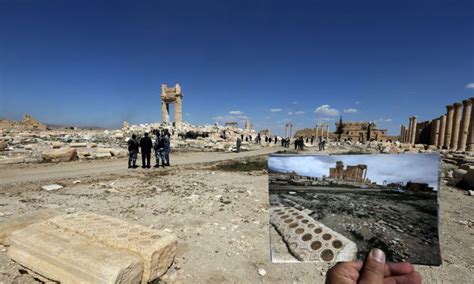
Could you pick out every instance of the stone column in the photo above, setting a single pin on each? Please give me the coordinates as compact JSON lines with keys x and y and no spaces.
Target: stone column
{"x":456,"y":125}
{"x":413,"y":133}
{"x":470,"y":138}
{"x":465,"y":122}
{"x":402,"y":132}
{"x":406,"y":136}
{"x":165,"y":115}
{"x":442,"y":128}
{"x":410,"y":129}
{"x":178,"y":111}
{"x":449,"y":126}
{"x":327,"y":132}
{"x":436,"y":132}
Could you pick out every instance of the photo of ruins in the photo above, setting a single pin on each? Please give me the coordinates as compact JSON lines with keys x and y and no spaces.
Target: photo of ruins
{"x":331,"y":208}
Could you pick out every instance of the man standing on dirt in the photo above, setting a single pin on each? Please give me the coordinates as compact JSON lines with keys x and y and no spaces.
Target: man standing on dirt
{"x":166,"y":148}
{"x":158,"y":147}
{"x":238,"y":144}
{"x":146,"y":144}
{"x":132,"y":151}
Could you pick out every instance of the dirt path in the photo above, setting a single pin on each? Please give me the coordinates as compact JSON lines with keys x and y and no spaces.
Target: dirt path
{"x":38,"y":172}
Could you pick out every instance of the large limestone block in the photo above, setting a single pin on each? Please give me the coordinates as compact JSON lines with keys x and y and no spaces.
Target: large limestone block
{"x":3,"y":146}
{"x":156,"y":248}
{"x":309,"y":240}
{"x":70,"y":258}
{"x":23,"y":221}
{"x":60,"y":155}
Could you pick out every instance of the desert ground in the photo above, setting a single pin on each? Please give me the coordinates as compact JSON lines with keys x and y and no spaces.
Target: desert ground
{"x":215,"y":203}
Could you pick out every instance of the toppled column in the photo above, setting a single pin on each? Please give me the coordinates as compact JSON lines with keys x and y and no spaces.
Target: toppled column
{"x":470,"y":140}
{"x":456,"y":125}
{"x":442,"y":129}
{"x":465,"y":122}
{"x":449,"y":126}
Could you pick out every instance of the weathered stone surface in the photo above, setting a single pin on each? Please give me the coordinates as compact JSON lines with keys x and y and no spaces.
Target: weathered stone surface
{"x":156,"y":248}
{"x":78,"y":145}
{"x":99,"y":155}
{"x":3,"y":146}
{"x":51,"y":187}
{"x":60,"y":155}
{"x":309,"y":240}
{"x":56,"y":144}
{"x":22,"y":221}
{"x":70,"y":258}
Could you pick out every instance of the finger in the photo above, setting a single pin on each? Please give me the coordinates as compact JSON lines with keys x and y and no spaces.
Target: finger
{"x":410,"y":278}
{"x":373,"y":269}
{"x":343,"y":272}
{"x":400,"y":268}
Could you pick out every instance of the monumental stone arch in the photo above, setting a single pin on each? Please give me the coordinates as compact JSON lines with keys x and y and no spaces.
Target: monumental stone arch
{"x":171,"y":95}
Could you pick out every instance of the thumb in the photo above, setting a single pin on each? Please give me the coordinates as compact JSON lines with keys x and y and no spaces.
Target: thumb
{"x":373,"y":269}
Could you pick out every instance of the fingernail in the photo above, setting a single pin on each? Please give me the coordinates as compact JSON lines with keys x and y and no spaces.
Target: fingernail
{"x":378,"y":255}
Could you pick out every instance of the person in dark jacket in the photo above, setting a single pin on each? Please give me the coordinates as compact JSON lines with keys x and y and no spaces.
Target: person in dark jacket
{"x":238,"y":144}
{"x":146,"y":144}
{"x":132,"y":151}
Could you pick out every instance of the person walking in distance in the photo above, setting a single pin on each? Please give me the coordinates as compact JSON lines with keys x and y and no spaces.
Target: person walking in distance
{"x":132,"y":151}
{"x":146,"y":144}
{"x":238,"y":144}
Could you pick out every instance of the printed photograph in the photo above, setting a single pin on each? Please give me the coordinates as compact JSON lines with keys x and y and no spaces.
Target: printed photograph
{"x":331,"y":208}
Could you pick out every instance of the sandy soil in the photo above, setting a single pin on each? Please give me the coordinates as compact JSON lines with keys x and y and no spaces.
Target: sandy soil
{"x":220,"y":217}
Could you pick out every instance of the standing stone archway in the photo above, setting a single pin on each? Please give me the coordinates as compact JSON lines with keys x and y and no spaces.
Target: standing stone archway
{"x":171,"y":95}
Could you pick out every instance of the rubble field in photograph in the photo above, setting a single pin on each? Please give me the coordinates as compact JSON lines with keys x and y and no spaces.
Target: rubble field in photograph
{"x":404,"y":225}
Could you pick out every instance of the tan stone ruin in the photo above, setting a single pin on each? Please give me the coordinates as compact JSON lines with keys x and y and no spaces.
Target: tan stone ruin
{"x":453,"y":130}
{"x":171,"y":95}
{"x":289,"y":127}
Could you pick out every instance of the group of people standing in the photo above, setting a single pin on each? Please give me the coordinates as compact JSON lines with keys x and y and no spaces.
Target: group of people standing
{"x":145,"y":145}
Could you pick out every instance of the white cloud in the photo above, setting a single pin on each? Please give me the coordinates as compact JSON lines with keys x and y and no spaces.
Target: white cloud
{"x":350,"y":110}
{"x":290,"y":113}
{"x":235,"y":112}
{"x":384,"y":119}
{"x":299,"y":112}
{"x":357,"y":102}
{"x":275,"y":109}
{"x":294,"y":103}
{"x":470,"y":86}
{"x":326,"y":110}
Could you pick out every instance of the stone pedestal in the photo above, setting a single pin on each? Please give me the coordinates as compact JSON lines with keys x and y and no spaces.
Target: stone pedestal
{"x":465,"y":123}
{"x":449,"y":126}
{"x":442,"y":129}
{"x":456,"y":126}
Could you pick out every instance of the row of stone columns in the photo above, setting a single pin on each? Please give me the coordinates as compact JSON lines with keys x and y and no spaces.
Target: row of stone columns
{"x":408,"y":135}
{"x":453,"y":130}
{"x":320,"y":131}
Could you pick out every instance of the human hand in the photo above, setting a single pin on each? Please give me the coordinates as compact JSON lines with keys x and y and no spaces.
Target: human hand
{"x":373,"y":271}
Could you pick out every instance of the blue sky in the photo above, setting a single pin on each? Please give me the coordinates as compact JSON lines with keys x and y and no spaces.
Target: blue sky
{"x":102,"y":62}
{"x":422,"y":168}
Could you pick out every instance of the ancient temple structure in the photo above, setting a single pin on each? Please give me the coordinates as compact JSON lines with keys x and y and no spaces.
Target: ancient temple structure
{"x":361,"y":131}
{"x":171,"y":95}
{"x":453,"y":130}
{"x":357,"y":173}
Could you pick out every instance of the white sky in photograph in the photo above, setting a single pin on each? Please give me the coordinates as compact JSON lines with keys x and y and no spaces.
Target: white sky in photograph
{"x":422,"y":168}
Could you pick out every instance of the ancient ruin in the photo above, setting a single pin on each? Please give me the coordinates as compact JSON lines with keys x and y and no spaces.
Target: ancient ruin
{"x":452,"y":131}
{"x":171,"y":95}
{"x":361,"y":131}
{"x":231,"y":124}
{"x":288,"y":129}
{"x":356,"y":173}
